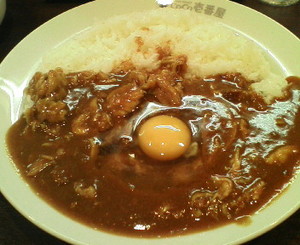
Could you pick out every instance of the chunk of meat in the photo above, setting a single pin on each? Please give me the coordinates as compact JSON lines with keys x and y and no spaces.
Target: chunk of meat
{"x":225,"y":187}
{"x":244,"y":127}
{"x":124,"y":100}
{"x":40,"y":164}
{"x":192,"y":150}
{"x":235,"y":162}
{"x":80,"y":124}
{"x":138,"y":77}
{"x":84,"y":78}
{"x":167,"y":94}
{"x":252,"y":193}
{"x":208,"y":203}
{"x":92,"y":119}
{"x":52,"y":85}
{"x":282,"y":154}
{"x":86,"y":192}
{"x":49,"y":110}
{"x":167,"y":89}
{"x":176,"y":64}
{"x":102,"y":120}
{"x":256,"y":191}
{"x":94,"y":149}
{"x":200,"y":201}
{"x":88,"y":122}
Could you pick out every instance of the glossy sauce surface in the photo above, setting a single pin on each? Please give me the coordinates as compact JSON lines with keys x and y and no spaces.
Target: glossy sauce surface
{"x":78,"y":147}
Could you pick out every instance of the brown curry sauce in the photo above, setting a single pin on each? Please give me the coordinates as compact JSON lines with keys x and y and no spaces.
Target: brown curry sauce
{"x":76,"y":146}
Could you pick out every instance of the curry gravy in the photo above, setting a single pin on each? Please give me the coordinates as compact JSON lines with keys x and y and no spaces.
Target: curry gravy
{"x":77,"y":147}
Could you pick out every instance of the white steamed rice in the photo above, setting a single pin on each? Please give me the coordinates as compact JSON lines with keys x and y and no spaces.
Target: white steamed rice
{"x":210,"y":46}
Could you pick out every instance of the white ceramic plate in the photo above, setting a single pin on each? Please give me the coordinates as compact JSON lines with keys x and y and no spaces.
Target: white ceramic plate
{"x":281,"y":46}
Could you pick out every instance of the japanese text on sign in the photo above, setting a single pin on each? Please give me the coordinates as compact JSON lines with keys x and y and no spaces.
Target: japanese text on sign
{"x":199,"y":7}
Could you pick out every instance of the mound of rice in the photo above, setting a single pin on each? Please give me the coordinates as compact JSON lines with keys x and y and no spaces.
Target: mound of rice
{"x":211,"y":48}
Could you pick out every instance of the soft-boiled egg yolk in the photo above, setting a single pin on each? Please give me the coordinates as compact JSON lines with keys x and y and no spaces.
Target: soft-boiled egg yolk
{"x":164,"y":137}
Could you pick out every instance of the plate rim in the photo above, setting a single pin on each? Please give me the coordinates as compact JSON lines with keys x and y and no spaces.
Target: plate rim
{"x":54,"y":232}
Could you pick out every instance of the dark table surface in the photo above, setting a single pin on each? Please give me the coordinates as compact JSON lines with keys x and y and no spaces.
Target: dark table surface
{"x":21,"y":18}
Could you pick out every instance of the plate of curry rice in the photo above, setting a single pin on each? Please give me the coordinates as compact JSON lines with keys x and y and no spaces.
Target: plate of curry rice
{"x":139,"y":123}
